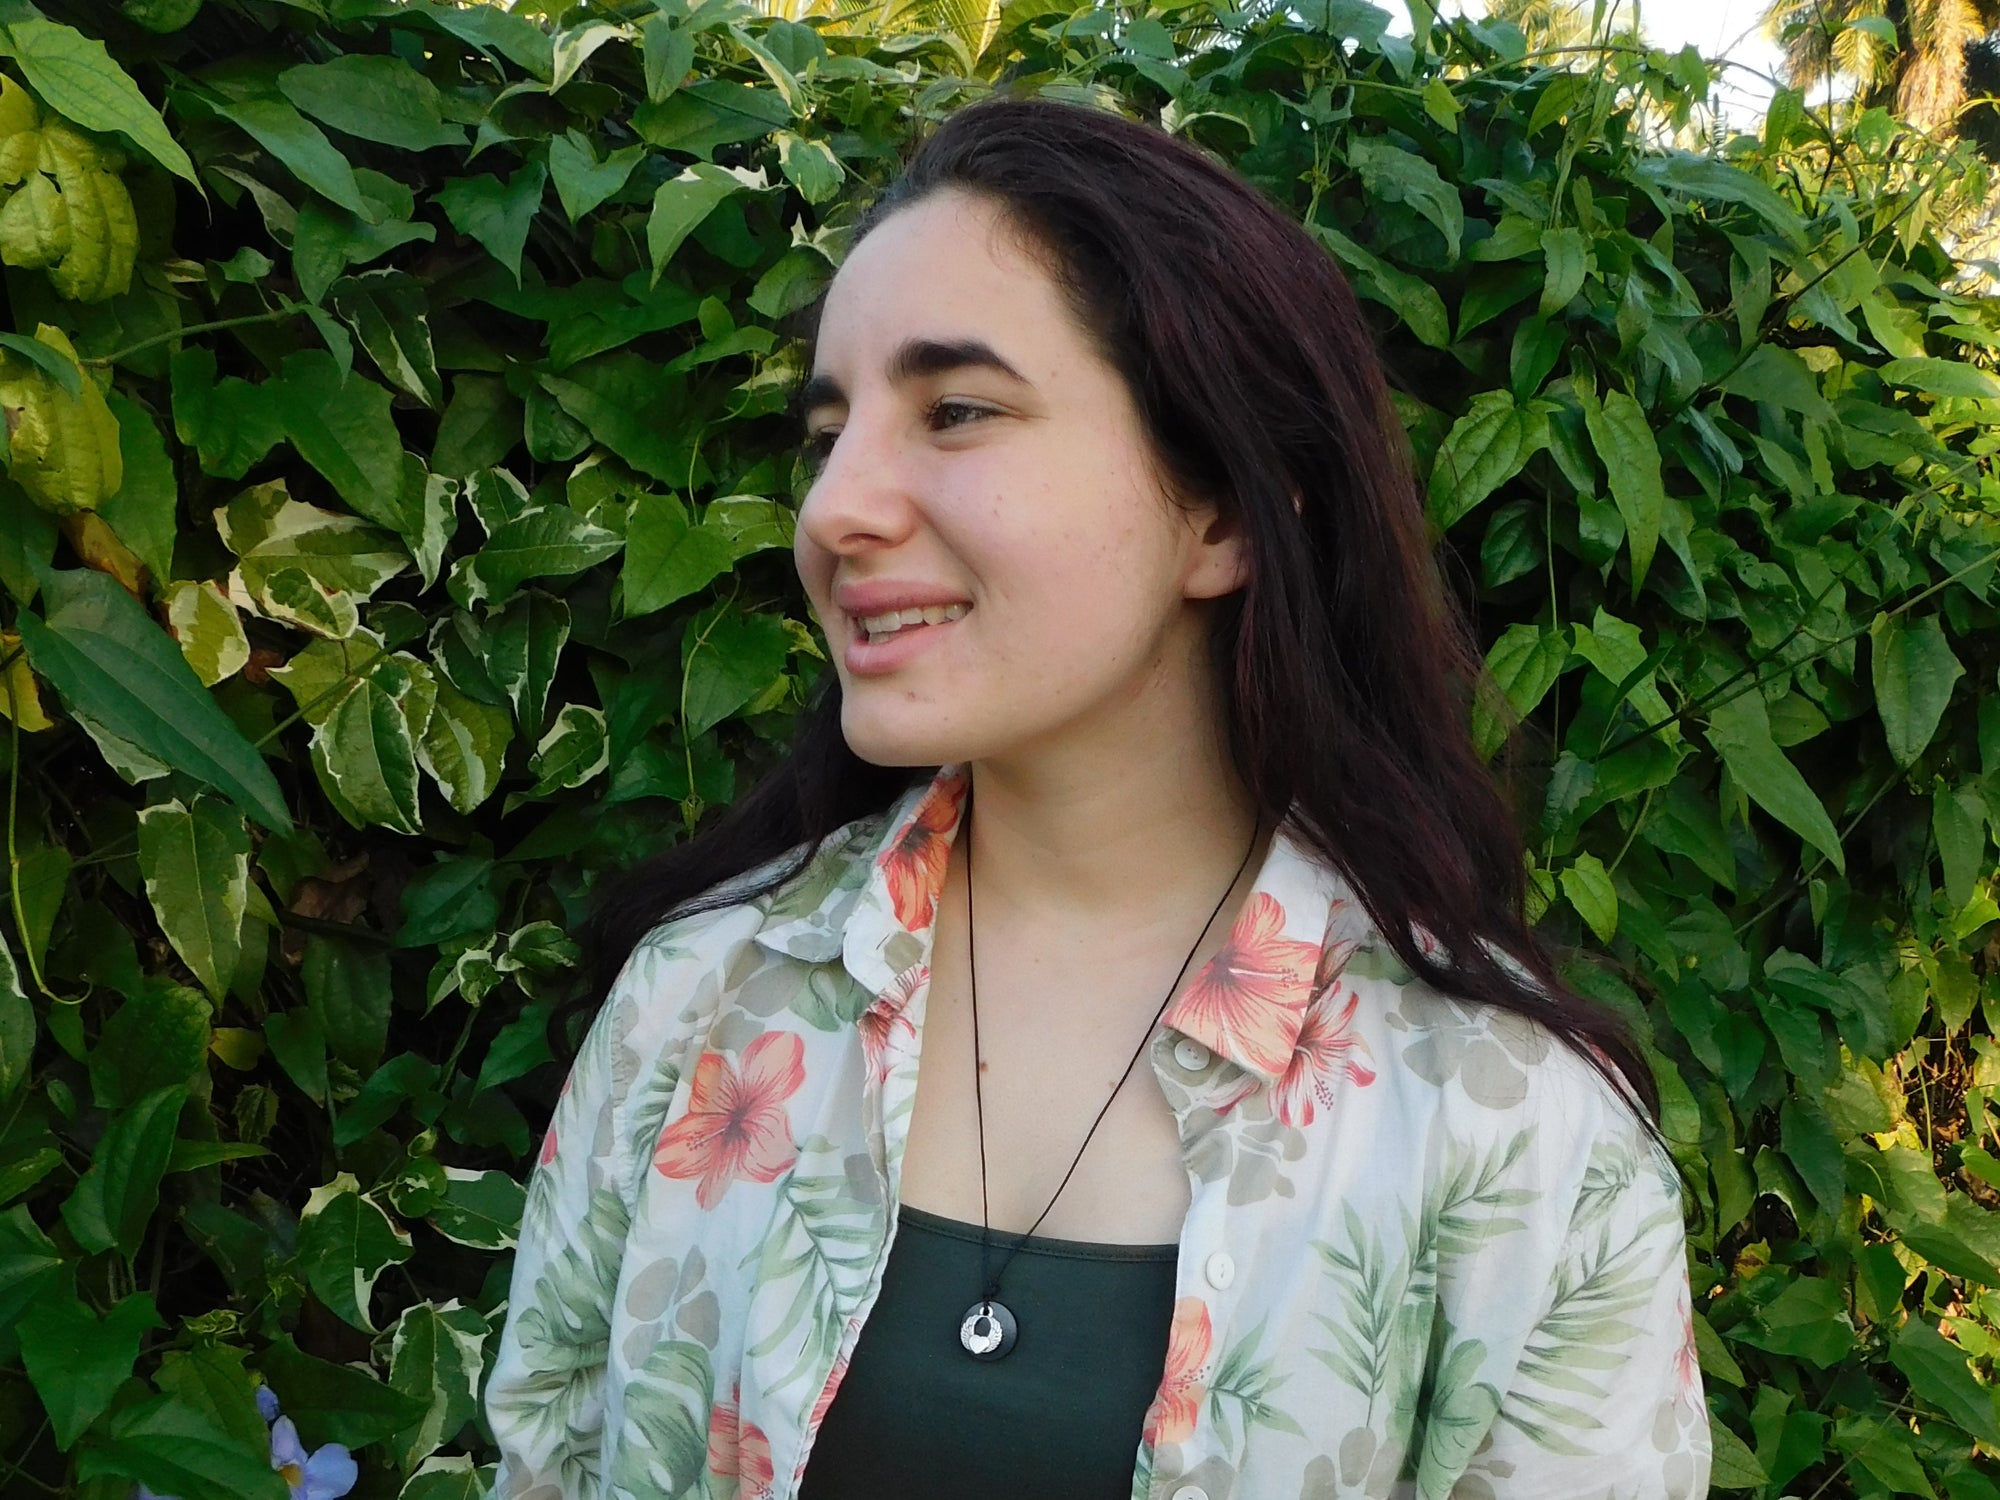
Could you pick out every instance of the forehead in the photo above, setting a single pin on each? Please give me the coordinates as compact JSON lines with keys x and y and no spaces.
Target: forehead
{"x":949,"y":269}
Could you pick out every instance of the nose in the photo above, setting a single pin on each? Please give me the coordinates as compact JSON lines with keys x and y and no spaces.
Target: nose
{"x":861,"y":499}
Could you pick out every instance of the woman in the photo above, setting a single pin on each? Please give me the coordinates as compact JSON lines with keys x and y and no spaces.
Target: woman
{"x":1111,"y":538}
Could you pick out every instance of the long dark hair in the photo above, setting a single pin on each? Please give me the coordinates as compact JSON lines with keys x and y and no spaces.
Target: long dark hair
{"x":1346,"y":666}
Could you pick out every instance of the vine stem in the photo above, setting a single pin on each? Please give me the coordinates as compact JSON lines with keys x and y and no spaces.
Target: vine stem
{"x":271,"y":315}
{"x":13,"y":856}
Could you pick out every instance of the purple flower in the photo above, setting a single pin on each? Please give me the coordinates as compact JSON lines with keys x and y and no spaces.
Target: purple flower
{"x":325,"y":1474}
{"x":267,"y":1403}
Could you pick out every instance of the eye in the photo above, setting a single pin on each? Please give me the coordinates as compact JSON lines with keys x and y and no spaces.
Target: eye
{"x":943,"y":413}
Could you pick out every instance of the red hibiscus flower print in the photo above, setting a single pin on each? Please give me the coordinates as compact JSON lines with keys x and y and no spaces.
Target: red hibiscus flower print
{"x":1250,"y":996}
{"x":1687,"y":1360}
{"x":915,"y":863}
{"x":886,"y":1032}
{"x":1177,"y":1405}
{"x":1325,"y":1046}
{"x":548,"y":1146}
{"x":825,"y":1403}
{"x":739,"y":1450}
{"x":736,"y":1126}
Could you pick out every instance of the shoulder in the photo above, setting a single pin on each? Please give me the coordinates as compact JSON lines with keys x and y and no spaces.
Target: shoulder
{"x":1490,"y":1078}
{"x":678,"y":974}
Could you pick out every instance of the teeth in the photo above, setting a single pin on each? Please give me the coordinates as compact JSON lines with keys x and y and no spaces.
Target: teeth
{"x":880,"y":627}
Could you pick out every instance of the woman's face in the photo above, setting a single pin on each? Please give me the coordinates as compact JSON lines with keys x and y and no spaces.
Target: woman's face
{"x":981,"y":459}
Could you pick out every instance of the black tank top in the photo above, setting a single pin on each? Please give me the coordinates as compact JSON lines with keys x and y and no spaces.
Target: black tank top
{"x":1059,"y":1418}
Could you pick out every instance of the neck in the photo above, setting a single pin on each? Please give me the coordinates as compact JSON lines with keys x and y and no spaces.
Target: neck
{"x":1065,"y":841}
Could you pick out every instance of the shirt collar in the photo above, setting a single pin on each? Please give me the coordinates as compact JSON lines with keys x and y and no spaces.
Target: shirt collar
{"x":1299,"y":926}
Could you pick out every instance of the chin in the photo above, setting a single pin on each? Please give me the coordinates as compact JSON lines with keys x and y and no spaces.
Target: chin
{"x":880,"y":741}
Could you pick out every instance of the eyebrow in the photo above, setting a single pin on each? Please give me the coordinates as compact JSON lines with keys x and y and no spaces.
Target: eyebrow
{"x":913,"y":359}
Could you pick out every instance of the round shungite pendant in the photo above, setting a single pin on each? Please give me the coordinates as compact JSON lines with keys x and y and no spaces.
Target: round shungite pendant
{"x":987,"y":1330}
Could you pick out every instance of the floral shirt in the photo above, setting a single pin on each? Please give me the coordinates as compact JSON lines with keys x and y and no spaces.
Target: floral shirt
{"x":1429,"y":1251}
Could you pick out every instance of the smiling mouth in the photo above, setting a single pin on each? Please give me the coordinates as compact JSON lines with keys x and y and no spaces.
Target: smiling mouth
{"x":876,"y":629}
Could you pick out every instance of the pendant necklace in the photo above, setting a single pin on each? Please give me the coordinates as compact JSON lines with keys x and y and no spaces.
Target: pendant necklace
{"x":988,"y":1329}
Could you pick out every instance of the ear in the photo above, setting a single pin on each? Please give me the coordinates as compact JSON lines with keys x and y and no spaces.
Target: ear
{"x":1220,"y":563}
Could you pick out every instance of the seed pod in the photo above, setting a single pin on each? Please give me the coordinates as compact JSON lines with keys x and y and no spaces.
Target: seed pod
{"x":63,"y":449}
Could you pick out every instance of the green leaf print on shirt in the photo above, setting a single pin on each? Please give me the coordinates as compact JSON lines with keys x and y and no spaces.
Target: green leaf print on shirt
{"x":663,"y":1448}
{"x":1582,"y":1338}
{"x":564,"y":1334}
{"x":819,"y":1251}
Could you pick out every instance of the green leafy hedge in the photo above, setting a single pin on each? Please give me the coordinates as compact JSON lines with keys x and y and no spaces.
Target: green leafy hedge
{"x":396,"y":535}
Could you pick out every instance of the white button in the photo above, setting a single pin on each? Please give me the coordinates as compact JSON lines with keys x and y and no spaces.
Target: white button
{"x":1190,"y":1492}
{"x":1221,"y":1270}
{"x":1191,"y":1055}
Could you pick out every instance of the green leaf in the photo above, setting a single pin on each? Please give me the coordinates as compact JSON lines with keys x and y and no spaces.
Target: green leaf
{"x":345,"y":1244}
{"x":1394,"y":175}
{"x":230,"y":423}
{"x":157,"y":1038}
{"x":481,"y":1209}
{"x":197,"y":868}
{"x":113,"y":1201}
{"x":366,"y":756}
{"x":436,"y":1355}
{"x":78,"y":79}
{"x":521,"y":1046}
{"x":1813,"y":1149}
{"x":1808,"y":1320}
{"x":810,"y":166}
{"x":1914,"y":671}
{"x":1623,"y":437}
{"x":464,"y":747}
{"x":666,"y":559}
{"x":1486,"y":447}
{"x":1705,"y":177}
{"x":76,"y":1360}
{"x":496,"y":213}
{"x":17,"y":1030}
{"x":143,"y":511}
{"x":524,"y":643}
{"x":27,"y":539}
{"x":623,"y":402}
{"x":574,"y":750}
{"x":1937,"y":1371}
{"x":299,"y":1045}
{"x":347,"y":986}
{"x":377,"y":98}
{"x":388,"y":312}
{"x":450,"y":1477}
{"x":1525,"y":663}
{"x":548,"y":541}
{"x":1588,"y":885}
{"x":1958,"y":823}
{"x":1740,"y":731}
{"x":1567,"y":256}
{"x":209,"y":630}
{"x":480,"y":427}
{"x":727,"y":658}
{"x":333,"y":1403}
{"x":342,"y":427}
{"x":681,"y":203}
{"x":1732,"y":1465}
{"x":29,"y":1261}
{"x":299,"y":144}
{"x":1411,"y":298}
{"x":1941,"y":377}
{"x":174,"y":1447}
{"x":109,"y":661}
{"x":582,"y":181}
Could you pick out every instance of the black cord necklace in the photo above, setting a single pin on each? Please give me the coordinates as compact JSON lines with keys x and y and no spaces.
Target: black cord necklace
{"x":988,"y":1329}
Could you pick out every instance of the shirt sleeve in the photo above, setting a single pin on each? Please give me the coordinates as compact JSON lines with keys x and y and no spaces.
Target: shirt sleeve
{"x":545,"y":1400}
{"x":1567,"y":1366}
